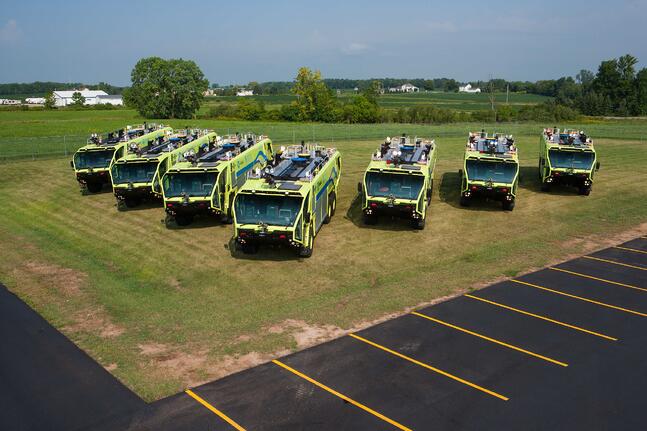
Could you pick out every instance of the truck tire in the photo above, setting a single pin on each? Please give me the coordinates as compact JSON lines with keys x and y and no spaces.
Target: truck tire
{"x":169,"y":221}
{"x":306,"y":250}
{"x":369,"y":219}
{"x":418,"y":223}
{"x":465,"y":202}
{"x":332,"y":205}
{"x":585,"y":190}
{"x":508,"y":205}
{"x":545,"y":187}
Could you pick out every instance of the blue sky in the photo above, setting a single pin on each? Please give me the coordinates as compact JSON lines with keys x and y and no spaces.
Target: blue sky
{"x":240,"y":41}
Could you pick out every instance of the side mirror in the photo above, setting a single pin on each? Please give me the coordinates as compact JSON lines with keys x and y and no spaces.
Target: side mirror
{"x":360,"y":188}
{"x":597,"y":166}
{"x":429,"y":191}
{"x":306,"y":218}
{"x":460,"y":172}
{"x":72,"y":164}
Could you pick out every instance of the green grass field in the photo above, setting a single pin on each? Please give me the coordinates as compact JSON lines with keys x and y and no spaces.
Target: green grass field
{"x":163,"y":309}
{"x":457,"y":101}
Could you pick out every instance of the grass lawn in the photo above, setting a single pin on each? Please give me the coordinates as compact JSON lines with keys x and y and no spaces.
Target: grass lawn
{"x":164,"y":309}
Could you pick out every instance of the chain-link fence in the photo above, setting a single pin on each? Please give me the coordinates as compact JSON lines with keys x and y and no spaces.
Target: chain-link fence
{"x":328,"y":134}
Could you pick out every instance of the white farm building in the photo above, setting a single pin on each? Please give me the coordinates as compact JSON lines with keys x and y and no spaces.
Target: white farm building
{"x":468,"y":89}
{"x":404,"y":88}
{"x":92,"y":97}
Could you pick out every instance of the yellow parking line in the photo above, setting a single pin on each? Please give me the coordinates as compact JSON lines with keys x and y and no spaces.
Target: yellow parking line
{"x":342,"y":396}
{"x":597,"y":278}
{"x":635,"y":250}
{"x":429,"y":367}
{"x":214,"y":410}
{"x":547,"y":319}
{"x":615,"y":307}
{"x":501,"y":343}
{"x":614,"y":262}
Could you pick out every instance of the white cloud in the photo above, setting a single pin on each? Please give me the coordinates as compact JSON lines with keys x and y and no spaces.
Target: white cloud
{"x":10,"y":32}
{"x":355,"y":48}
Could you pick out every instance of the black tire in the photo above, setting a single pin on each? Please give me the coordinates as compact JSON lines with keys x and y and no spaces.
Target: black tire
{"x":369,"y":219}
{"x":94,"y":187}
{"x":418,"y":223}
{"x":183,"y":220}
{"x":508,"y":205}
{"x":306,"y":251}
{"x":545,"y":187}
{"x":332,"y":204}
{"x":169,"y":221}
{"x":226,"y":219}
{"x":585,"y":190}
{"x":465,"y":201}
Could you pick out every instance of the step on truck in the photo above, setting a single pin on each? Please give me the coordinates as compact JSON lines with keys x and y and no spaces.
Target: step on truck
{"x":567,"y":158}
{"x":490,"y":169}
{"x":287,"y":203}
{"x":399,"y":180}
{"x":91,"y":163}
{"x":135,"y":176}
{"x":207,"y":181}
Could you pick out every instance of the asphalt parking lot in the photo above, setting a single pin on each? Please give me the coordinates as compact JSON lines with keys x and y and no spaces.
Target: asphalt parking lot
{"x":560,"y":348}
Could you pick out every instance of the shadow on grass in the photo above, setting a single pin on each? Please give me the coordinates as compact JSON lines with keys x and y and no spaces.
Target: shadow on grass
{"x":450,"y":193}
{"x":199,"y":222}
{"x":386,"y":223}
{"x":265,"y":252}
{"x":529,"y":180}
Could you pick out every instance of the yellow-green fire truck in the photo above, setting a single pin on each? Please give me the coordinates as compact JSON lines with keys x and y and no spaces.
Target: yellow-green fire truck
{"x":399,"y":180}
{"x":287,"y":203}
{"x":206,"y":182}
{"x":568,"y":158}
{"x":490,"y":170}
{"x":91,"y":163}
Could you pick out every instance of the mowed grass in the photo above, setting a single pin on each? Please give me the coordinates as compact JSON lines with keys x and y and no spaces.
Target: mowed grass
{"x":164,"y":309}
{"x":34,"y":134}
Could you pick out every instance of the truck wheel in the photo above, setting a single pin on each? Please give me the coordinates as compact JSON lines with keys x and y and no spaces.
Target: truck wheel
{"x":369,"y":219}
{"x":226,"y":219}
{"x":332,"y":204}
{"x":94,"y":187}
{"x":545,"y":187}
{"x":585,"y":190}
{"x":169,"y":221}
{"x":418,"y":223}
{"x":306,"y":251}
{"x":465,"y":201}
{"x":508,"y":205}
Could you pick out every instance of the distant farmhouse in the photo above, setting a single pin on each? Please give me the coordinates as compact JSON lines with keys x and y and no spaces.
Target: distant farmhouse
{"x":468,"y":89}
{"x":244,"y":93}
{"x":9,"y":102}
{"x":92,"y":97}
{"x":404,"y":88}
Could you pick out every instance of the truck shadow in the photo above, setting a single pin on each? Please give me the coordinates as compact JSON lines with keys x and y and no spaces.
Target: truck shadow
{"x":449,"y":192}
{"x":529,"y":180}
{"x":199,"y":222}
{"x":265,"y":252}
{"x":386,"y":223}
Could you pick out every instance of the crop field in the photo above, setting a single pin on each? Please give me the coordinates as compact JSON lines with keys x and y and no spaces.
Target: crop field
{"x":457,"y":101}
{"x":164,"y":309}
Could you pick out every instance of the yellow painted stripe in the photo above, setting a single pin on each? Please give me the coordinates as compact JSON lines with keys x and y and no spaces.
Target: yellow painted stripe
{"x":614,"y":262}
{"x":598,"y":279}
{"x":547,"y":319}
{"x":214,"y":410}
{"x":635,"y":250}
{"x":429,"y":367}
{"x":603,"y":304}
{"x":485,"y":337}
{"x":342,"y":396}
